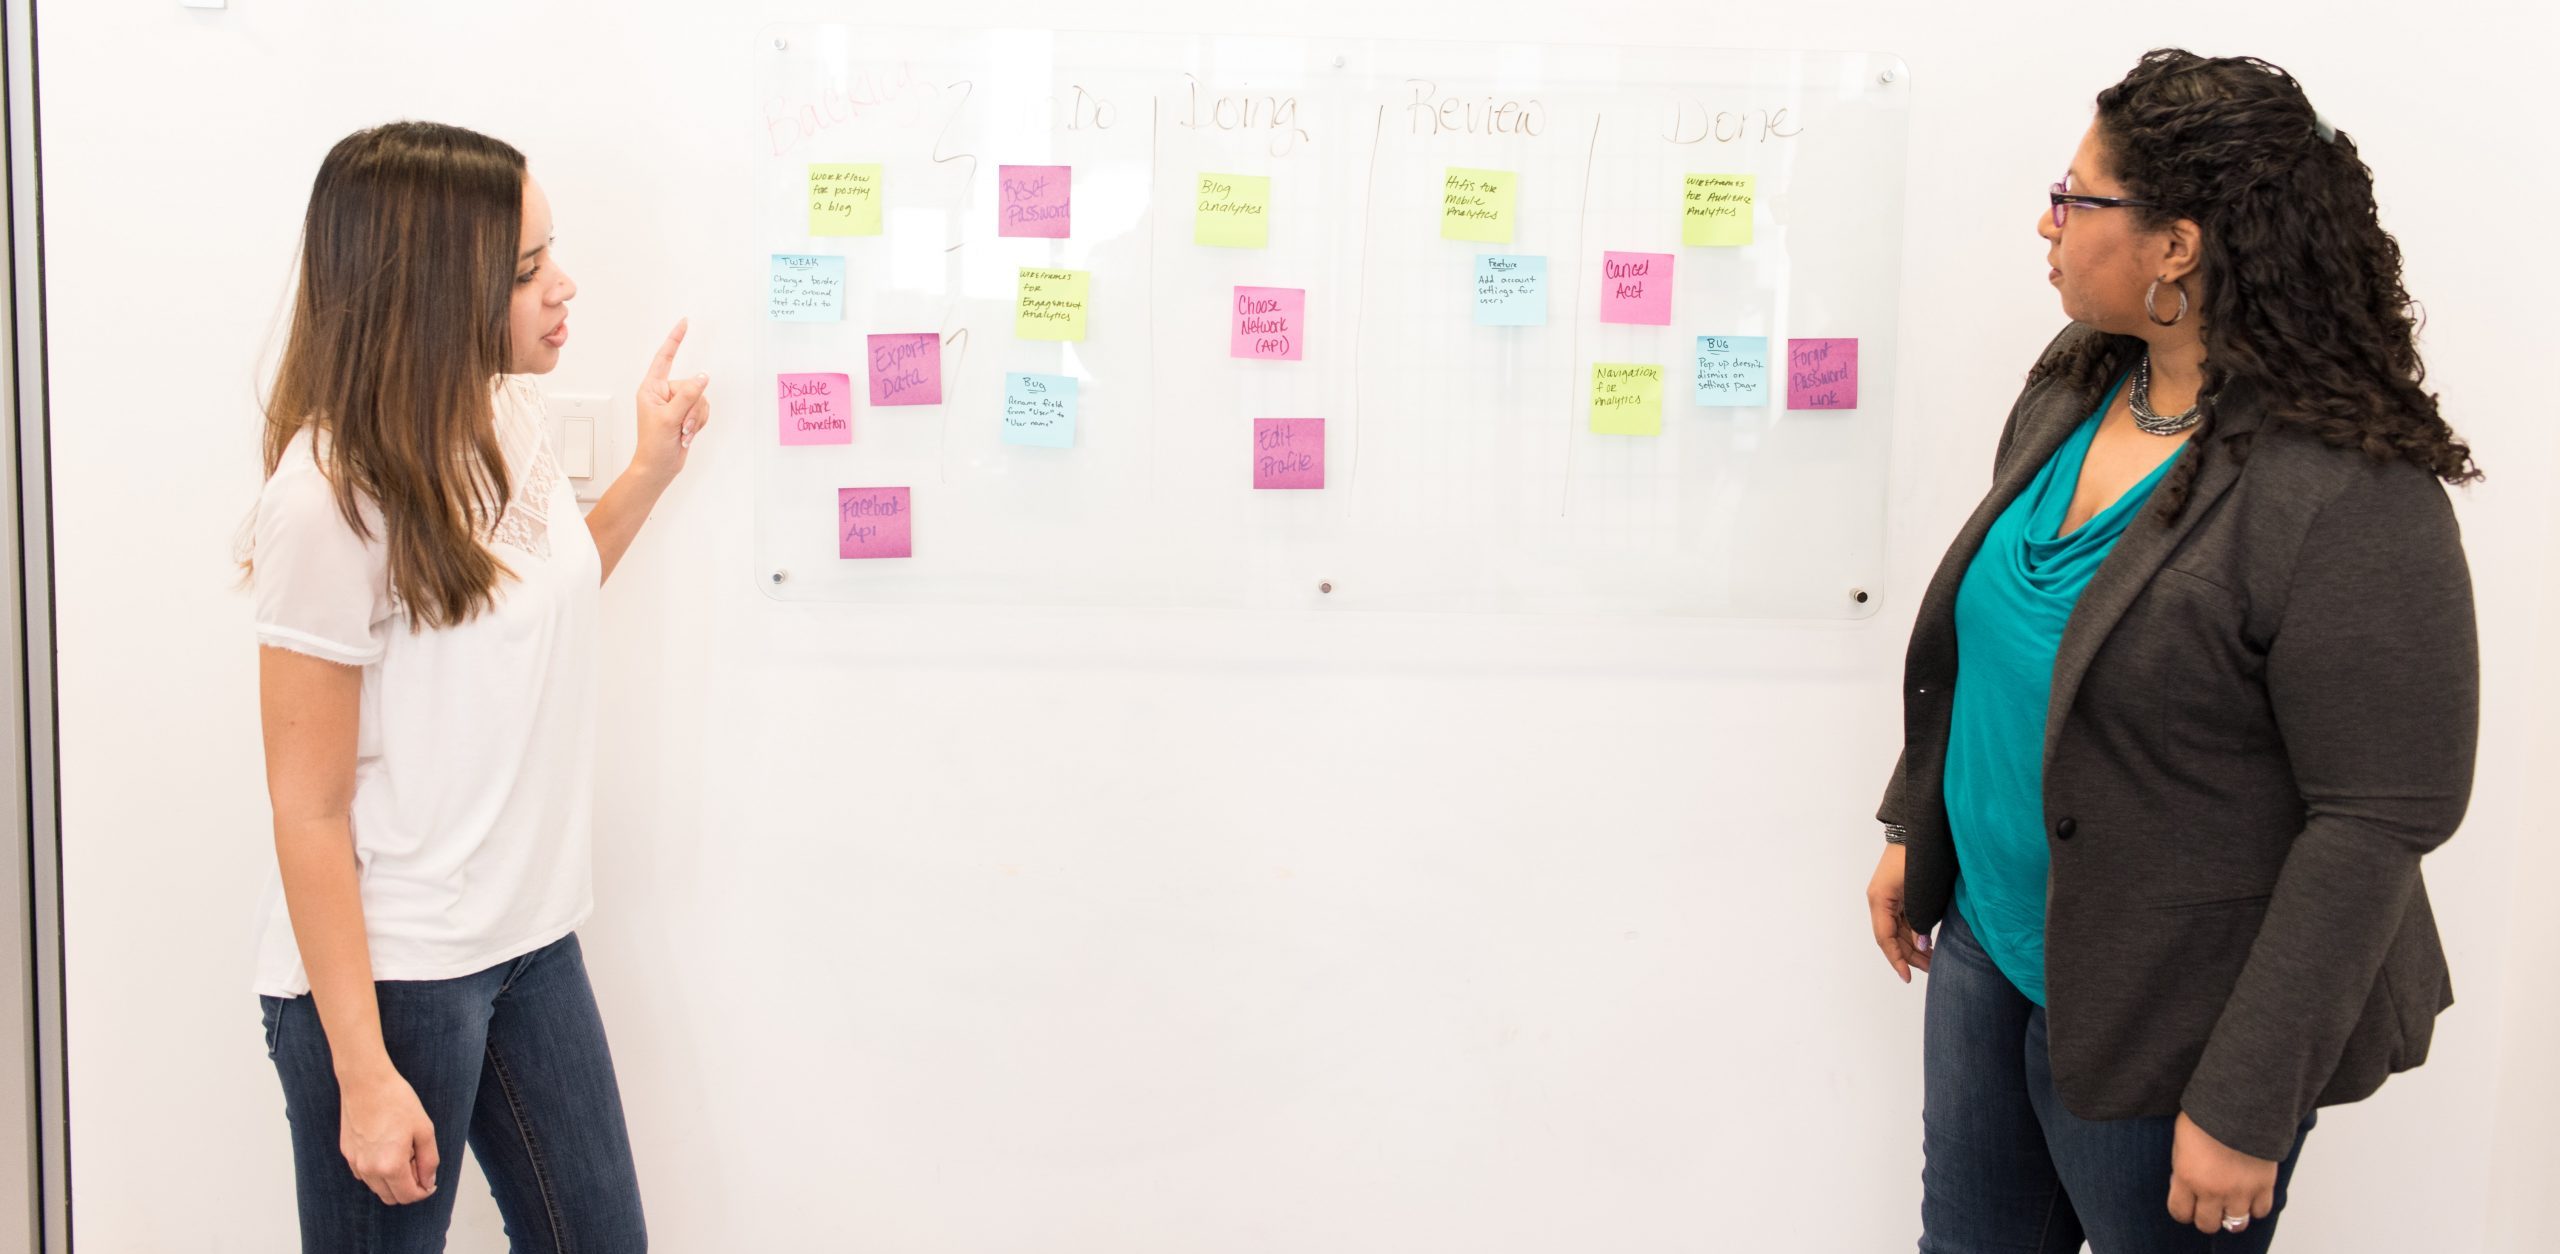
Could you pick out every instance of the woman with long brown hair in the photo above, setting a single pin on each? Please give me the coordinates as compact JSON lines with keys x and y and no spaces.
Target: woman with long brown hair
{"x":2188,"y":699}
{"x":426,"y":599}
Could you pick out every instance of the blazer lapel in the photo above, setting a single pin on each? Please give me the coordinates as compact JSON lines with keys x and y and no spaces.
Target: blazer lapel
{"x":2045,"y":420}
{"x":2137,"y":556}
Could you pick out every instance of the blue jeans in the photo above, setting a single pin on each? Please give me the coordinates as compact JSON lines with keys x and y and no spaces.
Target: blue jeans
{"x":2008,"y":1168}
{"x":514,"y":1060}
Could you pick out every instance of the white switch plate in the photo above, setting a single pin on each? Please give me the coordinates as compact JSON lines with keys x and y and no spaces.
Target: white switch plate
{"x":582,"y":441}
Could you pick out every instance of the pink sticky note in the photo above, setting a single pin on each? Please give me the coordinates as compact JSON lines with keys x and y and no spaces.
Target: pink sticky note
{"x":1636,"y":287}
{"x":1031,"y":200}
{"x":1288,"y":452}
{"x":1822,"y":374}
{"x":906,"y":369}
{"x":816,"y":409}
{"x":1268,"y":324}
{"x":874,"y":522}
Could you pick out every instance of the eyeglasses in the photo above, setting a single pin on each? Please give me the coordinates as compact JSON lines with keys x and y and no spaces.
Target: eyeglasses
{"x":2065,"y":200}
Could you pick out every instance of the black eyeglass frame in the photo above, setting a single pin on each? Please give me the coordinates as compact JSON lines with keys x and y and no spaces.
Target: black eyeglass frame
{"x":2064,"y":200}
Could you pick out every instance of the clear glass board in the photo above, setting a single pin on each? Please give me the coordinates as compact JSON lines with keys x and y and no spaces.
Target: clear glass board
{"x":1224,"y":232}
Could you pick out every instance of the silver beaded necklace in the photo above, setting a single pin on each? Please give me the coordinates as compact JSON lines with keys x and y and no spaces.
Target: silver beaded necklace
{"x":2156,"y":423}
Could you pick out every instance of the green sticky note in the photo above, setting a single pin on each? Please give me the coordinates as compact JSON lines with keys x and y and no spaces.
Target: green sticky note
{"x":1051,"y":304}
{"x":1626,"y":398}
{"x":1235,"y":211}
{"x":1479,"y":205}
{"x":844,"y":199}
{"x":1715,"y":209}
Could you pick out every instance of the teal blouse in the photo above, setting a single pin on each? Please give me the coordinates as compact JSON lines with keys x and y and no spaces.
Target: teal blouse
{"x":2010,"y":612}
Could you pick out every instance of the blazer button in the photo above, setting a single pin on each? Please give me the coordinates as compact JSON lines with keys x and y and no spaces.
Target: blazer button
{"x":2065,"y":828}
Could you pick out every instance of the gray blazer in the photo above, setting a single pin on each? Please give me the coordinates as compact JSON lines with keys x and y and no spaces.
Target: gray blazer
{"x":2263,"y":713}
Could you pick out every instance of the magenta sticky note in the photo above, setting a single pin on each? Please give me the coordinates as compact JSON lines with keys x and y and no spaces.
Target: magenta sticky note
{"x":1269,"y":324}
{"x":1822,"y":374}
{"x":1288,"y":452}
{"x":816,"y":408}
{"x":1636,"y":287}
{"x":874,"y":522}
{"x":906,"y":369}
{"x":1032,"y":200}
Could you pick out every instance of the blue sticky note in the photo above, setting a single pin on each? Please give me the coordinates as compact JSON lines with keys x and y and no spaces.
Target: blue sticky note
{"x":1733,"y":370}
{"x":1040,"y":409}
{"x":1511,"y":290}
{"x":807,"y":287}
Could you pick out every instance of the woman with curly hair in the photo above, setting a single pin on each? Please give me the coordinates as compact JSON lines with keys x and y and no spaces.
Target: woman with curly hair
{"x":2188,"y":698}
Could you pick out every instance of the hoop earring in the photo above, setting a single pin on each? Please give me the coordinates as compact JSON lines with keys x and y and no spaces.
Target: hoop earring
{"x":2153,"y":310}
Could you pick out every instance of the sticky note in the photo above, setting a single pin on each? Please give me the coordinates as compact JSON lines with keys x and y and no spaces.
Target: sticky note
{"x":1479,"y":205}
{"x":906,"y":369}
{"x":844,"y":200}
{"x":806,"y":288}
{"x":1040,"y":409}
{"x":1733,"y":370}
{"x":1715,"y":209}
{"x":1636,"y":287}
{"x":1032,"y":201}
{"x":1235,"y":211}
{"x":816,"y":408}
{"x":1511,"y":291}
{"x":1268,"y":324}
{"x":1051,"y":304}
{"x":1288,"y":452}
{"x":1822,"y":374}
{"x":1626,"y":398}
{"x":874,"y":522}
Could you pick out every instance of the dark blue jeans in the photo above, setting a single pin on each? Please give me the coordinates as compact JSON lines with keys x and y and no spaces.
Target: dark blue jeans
{"x":2008,"y":1168}
{"x":514,"y":1060}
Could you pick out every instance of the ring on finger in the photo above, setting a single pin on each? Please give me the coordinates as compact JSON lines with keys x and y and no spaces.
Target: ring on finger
{"x":2234,"y":1223}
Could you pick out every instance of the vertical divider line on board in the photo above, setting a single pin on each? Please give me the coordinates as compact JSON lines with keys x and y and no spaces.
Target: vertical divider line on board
{"x":1573,"y":383}
{"x":1360,"y":307}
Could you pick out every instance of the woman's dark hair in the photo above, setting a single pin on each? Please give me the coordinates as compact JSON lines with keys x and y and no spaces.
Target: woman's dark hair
{"x":2302,"y":295}
{"x":399,"y":330}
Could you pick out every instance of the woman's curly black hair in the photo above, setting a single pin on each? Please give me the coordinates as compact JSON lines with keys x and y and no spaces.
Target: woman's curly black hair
{"x":2302,"y":294}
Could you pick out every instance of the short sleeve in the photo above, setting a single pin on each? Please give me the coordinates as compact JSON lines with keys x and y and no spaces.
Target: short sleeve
{"x":320,"y":589}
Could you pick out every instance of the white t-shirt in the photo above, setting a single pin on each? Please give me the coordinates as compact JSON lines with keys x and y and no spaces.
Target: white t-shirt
{"x":475,"y":745}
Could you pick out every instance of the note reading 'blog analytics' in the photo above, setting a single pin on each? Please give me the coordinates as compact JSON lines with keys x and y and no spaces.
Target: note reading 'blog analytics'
{"x":1234,"y":211}
{"x":906,"y":369}
{"x":1626,"y":398}
{"x":874,"y":522}
{"x":816,"y":409}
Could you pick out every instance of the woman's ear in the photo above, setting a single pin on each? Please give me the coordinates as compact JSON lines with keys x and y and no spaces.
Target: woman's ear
{"x":2182,"y":249}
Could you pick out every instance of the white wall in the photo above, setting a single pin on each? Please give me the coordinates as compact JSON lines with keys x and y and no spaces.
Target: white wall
{"x":975,"y":931}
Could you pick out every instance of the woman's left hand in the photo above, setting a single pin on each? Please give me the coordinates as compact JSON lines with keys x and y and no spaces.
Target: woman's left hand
{"x":2210,"y":1182}
{"x":671,"y":414}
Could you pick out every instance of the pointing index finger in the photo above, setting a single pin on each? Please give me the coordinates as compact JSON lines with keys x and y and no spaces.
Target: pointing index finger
{"x":666,"y":358}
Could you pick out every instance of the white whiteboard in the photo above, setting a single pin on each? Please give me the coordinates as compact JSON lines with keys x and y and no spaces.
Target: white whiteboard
{"x":1461,"y":469}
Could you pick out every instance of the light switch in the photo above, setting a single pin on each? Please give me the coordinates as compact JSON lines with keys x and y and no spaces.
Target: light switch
{"x":578,"y":447}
